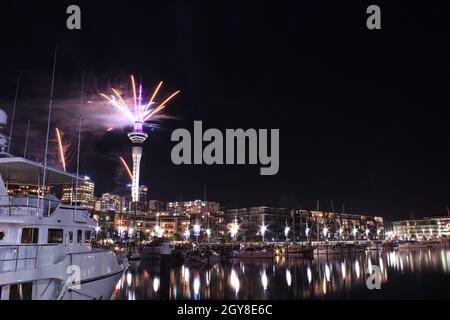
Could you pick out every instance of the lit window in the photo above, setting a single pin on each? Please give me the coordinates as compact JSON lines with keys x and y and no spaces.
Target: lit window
{"x":30,"y":235}
{"x":87,"y":236}
{"x":55,"y":236}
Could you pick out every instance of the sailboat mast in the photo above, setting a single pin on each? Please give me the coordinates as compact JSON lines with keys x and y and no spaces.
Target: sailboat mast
{"x":26,"y":140}
{"x":79,"y":140}
{"x":13,"y":113}
{"x":48,"y":121}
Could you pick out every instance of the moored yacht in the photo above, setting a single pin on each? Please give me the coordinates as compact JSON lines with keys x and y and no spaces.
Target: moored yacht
{"x":45,"y":245}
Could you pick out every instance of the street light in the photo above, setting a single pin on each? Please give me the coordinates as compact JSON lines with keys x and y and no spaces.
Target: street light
{"x":263,"y":229}
{"x":234,"y":229}
{"x":325,"y":232}
{"x":187,"y":234}
{"x":354,"y":232}
{"x":196,"y":230}
{"x":286,"y":232}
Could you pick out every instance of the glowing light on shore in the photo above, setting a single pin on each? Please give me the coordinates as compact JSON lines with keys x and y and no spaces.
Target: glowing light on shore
{"x":61,"y":150}
{"x":126,"y":168}
{"x":307,"y":231}
{"x":354,"y":231}
{"x":325,"y":232}
{"x":262,"y":230}
{"x":196,"y":229}
{"x":286,"y":231}
{"x":234,"y":229}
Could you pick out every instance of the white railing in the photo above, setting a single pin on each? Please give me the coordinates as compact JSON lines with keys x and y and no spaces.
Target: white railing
{"x":29,"y":205}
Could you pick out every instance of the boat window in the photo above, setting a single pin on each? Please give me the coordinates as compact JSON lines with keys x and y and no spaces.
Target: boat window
{"x":55,"y":236}
{"x":20,"y":291}
{"x":87,"y":236}
{"x":79,"y":236}
{"x":2,"y":235}
{"x":30,"y":235}
{"x":71,"y":236}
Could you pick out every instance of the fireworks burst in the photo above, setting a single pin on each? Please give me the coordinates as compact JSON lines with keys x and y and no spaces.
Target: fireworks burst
{"x":126,"y":167}
{"x":61,"y":149}
{"x":135,"y":109}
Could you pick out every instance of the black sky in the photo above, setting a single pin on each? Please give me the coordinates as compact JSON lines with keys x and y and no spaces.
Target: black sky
{"x":362,"y":114}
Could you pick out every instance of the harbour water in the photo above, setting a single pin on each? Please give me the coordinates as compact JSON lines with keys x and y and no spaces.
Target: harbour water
{"x":405,"y":274}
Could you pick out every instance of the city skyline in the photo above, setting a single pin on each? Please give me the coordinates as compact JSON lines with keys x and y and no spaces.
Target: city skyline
{"x":366,"y":143}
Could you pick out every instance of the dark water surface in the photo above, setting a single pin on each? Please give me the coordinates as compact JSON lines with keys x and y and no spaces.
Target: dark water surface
{"x":405,"y":274}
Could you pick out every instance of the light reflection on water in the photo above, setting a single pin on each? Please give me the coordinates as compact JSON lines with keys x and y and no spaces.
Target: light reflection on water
{"x":341,"y":277}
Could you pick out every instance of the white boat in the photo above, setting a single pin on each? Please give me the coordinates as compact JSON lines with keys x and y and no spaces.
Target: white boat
{"x":414,"y":245}
{"x":150,"y":250}
{"x":296,"y":251}
{"x":253,"y":253}
{"x":339,"y":249}
{"x":45,"y":245}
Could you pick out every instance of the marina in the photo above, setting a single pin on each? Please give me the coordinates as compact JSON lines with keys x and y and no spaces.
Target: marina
{"x":220,"y":157}
{"x":414,"y":274}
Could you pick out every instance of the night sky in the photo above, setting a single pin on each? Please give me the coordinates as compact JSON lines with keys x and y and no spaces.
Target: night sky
{"x":362,"y":114}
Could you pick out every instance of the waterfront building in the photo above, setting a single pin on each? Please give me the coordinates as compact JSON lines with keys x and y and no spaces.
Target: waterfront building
{"x":26,"y":190}
{"x":282,"y":224}
{"x":429,"y":228}
{"x":84,"y":196}
{"x":251,"y":220}
{"x":143,"y":195}
{"x":156,"y":205}
{"x":147,"y":225}
{"x":110,"y":202}
{"x":195,"y":207}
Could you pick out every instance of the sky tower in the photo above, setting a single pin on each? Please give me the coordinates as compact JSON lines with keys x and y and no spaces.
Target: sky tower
{"x":137,"y":137}
{"x":138,"y":112}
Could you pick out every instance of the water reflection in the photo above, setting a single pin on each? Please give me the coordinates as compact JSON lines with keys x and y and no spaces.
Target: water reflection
{"x":323,"y":277}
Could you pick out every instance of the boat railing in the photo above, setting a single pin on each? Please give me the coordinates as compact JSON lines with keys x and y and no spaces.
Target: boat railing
{"x":20,"y":257}
{"x":27,"y":205}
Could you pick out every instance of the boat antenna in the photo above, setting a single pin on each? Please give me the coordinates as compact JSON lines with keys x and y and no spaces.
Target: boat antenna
{"x":26,"y":140}
{"x":13,"y":114}
{"x":48,"y":120}
{"x":79,"y":139}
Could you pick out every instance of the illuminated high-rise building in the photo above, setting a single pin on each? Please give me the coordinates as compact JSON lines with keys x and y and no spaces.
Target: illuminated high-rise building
{"x":84,"y":197}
